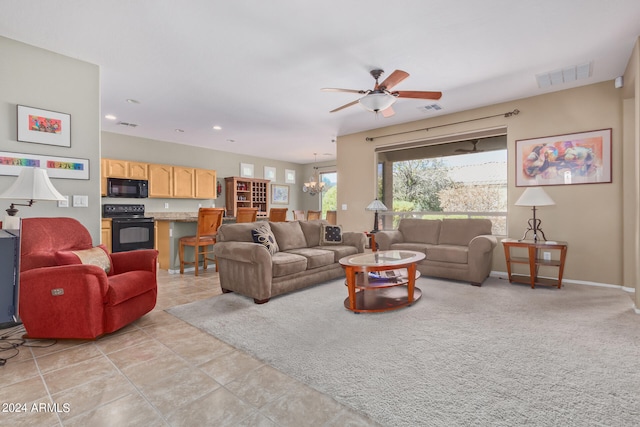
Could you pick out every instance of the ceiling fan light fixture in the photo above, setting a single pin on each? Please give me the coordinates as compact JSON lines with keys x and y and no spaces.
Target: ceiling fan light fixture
{"x":377,"y":101}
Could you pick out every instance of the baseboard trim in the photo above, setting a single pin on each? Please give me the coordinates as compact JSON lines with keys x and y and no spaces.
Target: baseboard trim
{"x":504,"y":275}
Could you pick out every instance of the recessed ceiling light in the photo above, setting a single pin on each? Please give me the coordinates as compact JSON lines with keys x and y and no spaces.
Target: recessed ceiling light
{"x":110,"y":117}
{"x":180,"y":130}
{"x":133,"y":101}
{"x":216,"y":127}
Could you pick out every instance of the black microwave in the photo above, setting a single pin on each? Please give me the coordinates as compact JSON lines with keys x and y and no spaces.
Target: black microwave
{"x":133,"y":188}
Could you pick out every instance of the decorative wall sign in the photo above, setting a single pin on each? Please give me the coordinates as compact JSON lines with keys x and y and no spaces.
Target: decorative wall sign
{"x":269,"y":173}
{"x":279,"y":194}
{"x":290,"y":176}
{"x":44,"y":127}
{"x":56,"y":167}
{"x":577,"y":158}
{"x":246,"y":170}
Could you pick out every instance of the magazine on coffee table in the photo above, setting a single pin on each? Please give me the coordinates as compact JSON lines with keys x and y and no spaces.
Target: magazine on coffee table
{"x":389,"y":274}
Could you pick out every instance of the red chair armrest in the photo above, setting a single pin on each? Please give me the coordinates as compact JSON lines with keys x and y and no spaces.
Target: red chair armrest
{"x":141,"y":259}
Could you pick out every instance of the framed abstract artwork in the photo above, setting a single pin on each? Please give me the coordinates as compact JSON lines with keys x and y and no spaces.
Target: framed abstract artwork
{"x":279,"y":194}
{"x":56,"y":167}
{"x":576,"y":158}
{"x":246,"y":170}
{"x":44,"y":127}
{"x":290,"y":176}
{"x":270,"y":173}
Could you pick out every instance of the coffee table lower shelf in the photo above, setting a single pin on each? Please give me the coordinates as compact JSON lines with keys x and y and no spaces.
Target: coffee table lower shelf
{"x":383,"y":299}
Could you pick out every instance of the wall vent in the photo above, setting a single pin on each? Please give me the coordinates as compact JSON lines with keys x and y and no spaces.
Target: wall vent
{"x":131,"y":125}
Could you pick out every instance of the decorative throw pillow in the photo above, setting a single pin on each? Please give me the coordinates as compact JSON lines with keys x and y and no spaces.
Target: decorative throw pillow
{"x":331,"y":234}
{"x":264,"y":236}
{"x":94,"y":256}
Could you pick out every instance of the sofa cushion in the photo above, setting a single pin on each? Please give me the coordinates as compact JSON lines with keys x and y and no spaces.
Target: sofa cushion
{"x":417,"y":247}
{"x":416,"y":230}
{"x":95,"y":256}
{"x":289,"y":235}
{"x":461,"y":231}
{"x":315,"y":257}
{"x":238,"y":232}
{"x":331,"y":234}
{"x":285,"y":263}
{"x":448,"y":253}
{"x":312,"y":230}
{"x":264,"y":236}
{"x":339,"y":251}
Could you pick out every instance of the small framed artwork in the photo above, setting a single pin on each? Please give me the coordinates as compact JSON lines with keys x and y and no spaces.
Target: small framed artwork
{"x":269,"y":173}
{"x":279,"y":194}
{"x":44,"y":127}
{"x":246,"y":170}
{"x":290,"y":176}
{"x":576,"y":158}
{"x":56,"y":167}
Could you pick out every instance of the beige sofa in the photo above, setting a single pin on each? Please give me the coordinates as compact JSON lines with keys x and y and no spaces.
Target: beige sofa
{"x":249,"y":268}
{"x":459,"y":249}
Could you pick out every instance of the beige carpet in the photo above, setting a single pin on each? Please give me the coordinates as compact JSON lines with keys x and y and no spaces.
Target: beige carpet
{"x":499,"y":355}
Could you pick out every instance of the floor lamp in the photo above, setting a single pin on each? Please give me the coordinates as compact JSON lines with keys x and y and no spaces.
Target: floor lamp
{"x":534,"y":197}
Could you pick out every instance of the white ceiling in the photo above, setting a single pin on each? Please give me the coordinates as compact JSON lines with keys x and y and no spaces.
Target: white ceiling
{"x":256,"y":67}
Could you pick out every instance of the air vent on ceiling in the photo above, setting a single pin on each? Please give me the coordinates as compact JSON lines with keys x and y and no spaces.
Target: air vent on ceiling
{"x":565,"y":75}
{"x":430,"y":108}
{"x":131,"y":125}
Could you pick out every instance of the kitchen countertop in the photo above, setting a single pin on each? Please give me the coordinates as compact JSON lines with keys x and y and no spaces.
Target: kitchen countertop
{"x":181,"y":217}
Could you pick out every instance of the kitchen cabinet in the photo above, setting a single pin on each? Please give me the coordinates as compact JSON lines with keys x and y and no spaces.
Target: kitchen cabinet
{"x":247,"y":192}
{"x":105,"y":233}
{"x":184,"y":182}
{"x":160,"y":181}
{"x":205,"y":184}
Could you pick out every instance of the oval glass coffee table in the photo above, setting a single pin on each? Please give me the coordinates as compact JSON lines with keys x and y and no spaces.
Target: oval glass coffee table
{"x":382,"y":280}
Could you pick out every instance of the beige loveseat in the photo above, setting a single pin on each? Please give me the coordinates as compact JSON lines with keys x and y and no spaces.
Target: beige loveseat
{"x":459,"y":249}
{"x":301,"y":260}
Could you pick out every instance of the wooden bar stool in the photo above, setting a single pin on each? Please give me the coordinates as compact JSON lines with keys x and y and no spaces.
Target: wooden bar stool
{"x":278,"y":214}
{"x":311,"y":215}
{"x":246,"y":214}
{"x":332,"y":217}
{"x":209,"y":219}
{"x":298,"y":215}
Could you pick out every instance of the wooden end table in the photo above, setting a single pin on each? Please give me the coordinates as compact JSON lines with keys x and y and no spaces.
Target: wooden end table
{"x":535,"y":261}
{"x":378,"y":292}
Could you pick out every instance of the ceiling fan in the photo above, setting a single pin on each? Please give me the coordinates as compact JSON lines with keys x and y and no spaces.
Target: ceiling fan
{"x":470,"y":150}
{"x":380,"y":98}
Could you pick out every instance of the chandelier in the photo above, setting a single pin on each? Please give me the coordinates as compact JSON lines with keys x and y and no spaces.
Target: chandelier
{"x":314,"y":185}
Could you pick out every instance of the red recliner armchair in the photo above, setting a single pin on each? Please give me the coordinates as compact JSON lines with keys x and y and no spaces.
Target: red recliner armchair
{"x":80,"y":299}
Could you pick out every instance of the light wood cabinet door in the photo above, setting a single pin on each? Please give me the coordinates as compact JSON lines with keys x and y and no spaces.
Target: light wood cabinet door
{"x":205,"y":184}
{"x":105,"y":238}
{"x":138,"y":170}
{"x":160,"y":180}
{"x":117,"y":168}
{"x":183,"y":182}
{"x":103,"y":177}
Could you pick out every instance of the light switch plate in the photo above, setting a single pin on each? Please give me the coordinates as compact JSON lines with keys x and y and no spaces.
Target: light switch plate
{"x":80,"y":201}
{"x":64,"y":203}
{"x":344,"y":206}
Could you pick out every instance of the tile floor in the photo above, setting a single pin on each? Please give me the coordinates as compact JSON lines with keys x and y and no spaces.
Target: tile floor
{"x":159,"y":371}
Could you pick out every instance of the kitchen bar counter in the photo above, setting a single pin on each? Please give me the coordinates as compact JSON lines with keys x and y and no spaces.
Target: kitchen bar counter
{"x":183,"y":217}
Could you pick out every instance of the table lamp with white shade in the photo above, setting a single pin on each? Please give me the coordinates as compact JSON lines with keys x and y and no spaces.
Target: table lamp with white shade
{"x":534,"y":197}
{"x":32,"y":184}
{"x":376,"y":206}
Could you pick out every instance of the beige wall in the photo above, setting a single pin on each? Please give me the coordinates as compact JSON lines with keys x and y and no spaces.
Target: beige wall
{"x":42,"y":79}
{"x":117,"y":146}
{"x":589,"y":217}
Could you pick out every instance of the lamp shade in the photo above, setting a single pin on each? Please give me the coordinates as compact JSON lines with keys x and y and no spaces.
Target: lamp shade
{"x":376,"y":205}
{"x":32,"y":184}
{"x":377,"y":101}
{"x":535,"y":196}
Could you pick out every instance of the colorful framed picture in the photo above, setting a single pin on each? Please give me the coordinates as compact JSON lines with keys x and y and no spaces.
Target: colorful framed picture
{"x":279,"y":194}
{"x":577,"y":158}
{"x":56,"y":167}
{"x":44,"y":127}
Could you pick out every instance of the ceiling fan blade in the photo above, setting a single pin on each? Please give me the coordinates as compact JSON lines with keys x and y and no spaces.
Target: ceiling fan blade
{"x":394,"y":78}
{"x":388,"y":112}
{"x":344,"y":106}
{"x":417,"y":94}
{"x":333,"y":89}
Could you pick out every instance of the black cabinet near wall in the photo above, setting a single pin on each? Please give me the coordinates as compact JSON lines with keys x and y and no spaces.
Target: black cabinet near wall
{"x":9,"y":274}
